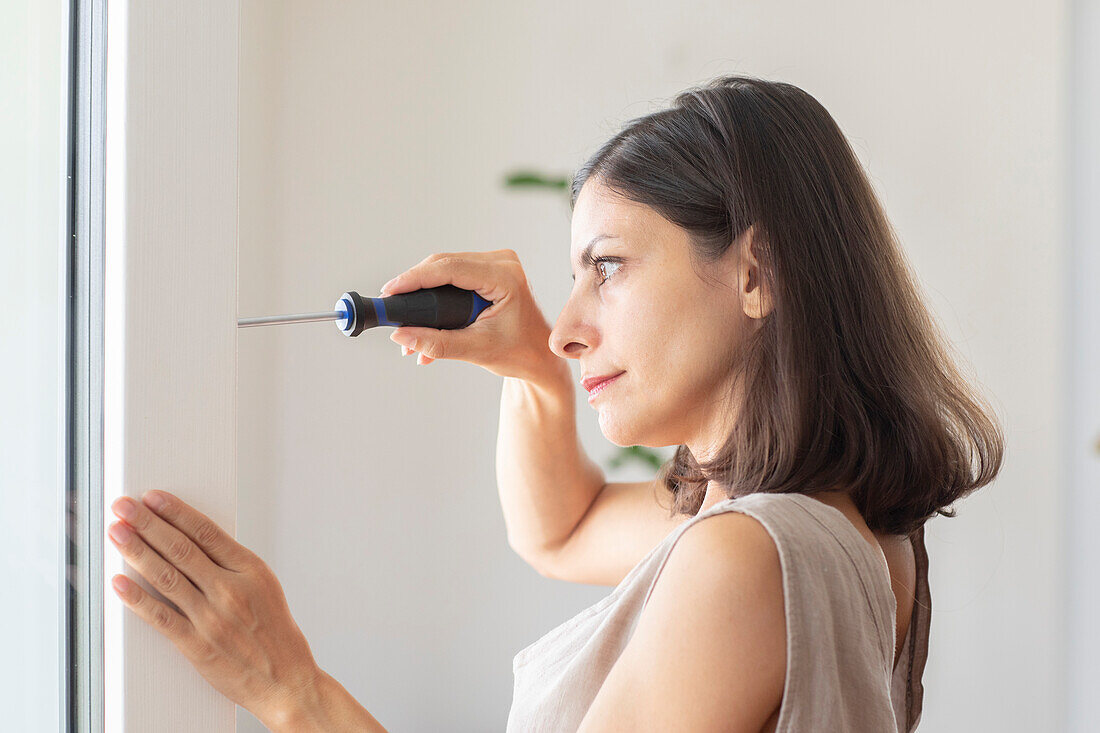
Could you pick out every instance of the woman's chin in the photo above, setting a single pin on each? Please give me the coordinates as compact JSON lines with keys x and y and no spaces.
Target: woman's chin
{"x":625,"y":431}
{"x":621,"y":433}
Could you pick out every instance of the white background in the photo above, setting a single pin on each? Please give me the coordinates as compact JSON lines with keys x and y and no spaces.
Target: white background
{"x":33,"y":79}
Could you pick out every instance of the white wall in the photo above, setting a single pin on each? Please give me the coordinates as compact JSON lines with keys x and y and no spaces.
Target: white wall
{"x":374,"y":134}
{"x":33,"y":87}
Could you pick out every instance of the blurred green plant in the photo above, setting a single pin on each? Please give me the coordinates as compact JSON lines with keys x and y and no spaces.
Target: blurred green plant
{"x":534,"y":179}
{"x":531,"y":179}
{"x":639,"y":453}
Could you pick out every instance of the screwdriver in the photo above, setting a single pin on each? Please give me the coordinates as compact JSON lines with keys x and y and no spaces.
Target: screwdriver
{"x":444,"y":306}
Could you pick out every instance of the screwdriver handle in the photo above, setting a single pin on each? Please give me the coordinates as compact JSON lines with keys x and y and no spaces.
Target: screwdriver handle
{"x":444,"y":307}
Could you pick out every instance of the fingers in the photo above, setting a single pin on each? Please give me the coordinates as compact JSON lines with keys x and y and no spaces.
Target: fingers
{"x":420,"y":358}
{"x":435,"y":343}
{"x":218,"y":545}
{"x":162,"y":575}
{"x":495,"y":276}
{"x":483,"y":272}
{"x":176,"y":627}
{"x":169,"y":543}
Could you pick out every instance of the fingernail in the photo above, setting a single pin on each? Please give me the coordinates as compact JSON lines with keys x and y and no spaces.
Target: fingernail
{"x":154,"y":500}
{"x":125,"y":507}
{"x":121,"y":534}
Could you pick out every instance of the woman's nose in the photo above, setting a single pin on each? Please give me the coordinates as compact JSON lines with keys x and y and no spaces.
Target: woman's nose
{"x":569,"y":338}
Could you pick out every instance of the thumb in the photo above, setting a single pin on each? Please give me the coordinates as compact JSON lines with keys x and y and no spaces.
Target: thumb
{"x":437,"y":343}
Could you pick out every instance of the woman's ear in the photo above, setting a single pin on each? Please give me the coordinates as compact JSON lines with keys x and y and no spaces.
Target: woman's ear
{"x":756,"y":300}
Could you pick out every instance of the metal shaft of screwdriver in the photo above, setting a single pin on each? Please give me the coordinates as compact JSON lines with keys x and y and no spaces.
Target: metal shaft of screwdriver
{"x":294,"y":318}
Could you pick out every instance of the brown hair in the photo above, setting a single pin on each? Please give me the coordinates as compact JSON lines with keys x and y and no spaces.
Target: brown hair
{"x":848,"y":382}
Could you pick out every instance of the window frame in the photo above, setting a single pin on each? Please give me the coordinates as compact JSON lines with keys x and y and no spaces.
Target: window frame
{"x":83,"y":527}
{"x":167,"y":369}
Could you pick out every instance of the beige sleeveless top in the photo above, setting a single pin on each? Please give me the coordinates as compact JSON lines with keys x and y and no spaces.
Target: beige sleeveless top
{"x":841,"y":626}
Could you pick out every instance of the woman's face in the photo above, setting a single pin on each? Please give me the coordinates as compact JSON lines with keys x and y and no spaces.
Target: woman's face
{"x":648,"y":315}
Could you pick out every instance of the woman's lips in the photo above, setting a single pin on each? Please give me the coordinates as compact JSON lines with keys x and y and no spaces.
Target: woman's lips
{"x":601,"y":386}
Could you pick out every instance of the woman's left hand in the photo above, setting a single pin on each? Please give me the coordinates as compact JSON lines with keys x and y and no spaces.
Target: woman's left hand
{"x":235,"y":626}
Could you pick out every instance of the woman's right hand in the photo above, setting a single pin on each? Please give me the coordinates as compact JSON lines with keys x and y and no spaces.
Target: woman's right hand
{"x":510,"y":338}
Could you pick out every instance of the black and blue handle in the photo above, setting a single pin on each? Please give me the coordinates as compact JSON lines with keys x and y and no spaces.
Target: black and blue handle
{"x":445,"y":307}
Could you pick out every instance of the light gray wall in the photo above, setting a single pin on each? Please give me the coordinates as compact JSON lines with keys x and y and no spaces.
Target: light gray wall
{"x":374,"y":134}
{"x":1082,"y":388}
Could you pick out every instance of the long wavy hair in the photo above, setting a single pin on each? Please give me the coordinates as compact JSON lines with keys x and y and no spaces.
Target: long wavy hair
{"x":848,"y":382}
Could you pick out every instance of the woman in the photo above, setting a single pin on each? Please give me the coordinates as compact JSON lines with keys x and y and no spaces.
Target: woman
{"x":738,"y":292}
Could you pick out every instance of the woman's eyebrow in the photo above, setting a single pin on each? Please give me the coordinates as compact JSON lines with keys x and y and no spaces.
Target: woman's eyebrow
{"x":586,"y":255}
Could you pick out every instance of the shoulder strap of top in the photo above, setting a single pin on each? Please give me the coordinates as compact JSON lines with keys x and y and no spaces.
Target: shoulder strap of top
{"x":914,"y":652}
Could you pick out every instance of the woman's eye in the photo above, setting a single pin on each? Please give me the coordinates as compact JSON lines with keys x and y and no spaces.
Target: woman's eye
{"x":604,"y":261}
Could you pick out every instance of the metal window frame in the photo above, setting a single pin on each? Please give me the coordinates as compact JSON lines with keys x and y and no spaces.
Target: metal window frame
{"x":83,"y":525}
